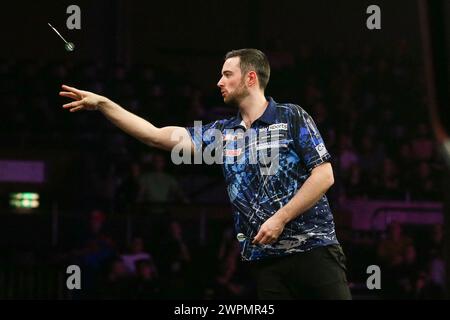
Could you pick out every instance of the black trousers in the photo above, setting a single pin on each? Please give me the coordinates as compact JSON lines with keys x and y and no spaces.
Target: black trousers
{"x":316,"y":274}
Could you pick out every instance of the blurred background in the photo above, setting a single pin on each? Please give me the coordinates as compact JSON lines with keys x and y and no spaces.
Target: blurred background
{"x":76,"y":190}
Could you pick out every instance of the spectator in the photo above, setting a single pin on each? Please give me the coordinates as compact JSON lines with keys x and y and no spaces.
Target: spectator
{"x":136,"y":253}
{"x":117,"y":283}
{"x":158,"y":185}
{"x":392,"y":250}
{"x":146,"y":283}
{"x":422,"y":145}
{"x":128,"y":189}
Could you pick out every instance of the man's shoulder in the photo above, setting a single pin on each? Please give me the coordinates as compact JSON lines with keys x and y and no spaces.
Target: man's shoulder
{"x":289,"y":109}
{"x":220,"y":123}
{"x":228,"y":121}
{"x":209,"y":126}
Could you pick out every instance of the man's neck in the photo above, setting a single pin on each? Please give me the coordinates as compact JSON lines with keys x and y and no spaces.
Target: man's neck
{"x":252,"y":107}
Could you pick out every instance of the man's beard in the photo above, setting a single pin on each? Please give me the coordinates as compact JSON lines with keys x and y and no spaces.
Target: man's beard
{"x":237,"y":96}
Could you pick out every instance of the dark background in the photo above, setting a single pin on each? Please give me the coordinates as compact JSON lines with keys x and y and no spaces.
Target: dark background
{"x":130,"y":51}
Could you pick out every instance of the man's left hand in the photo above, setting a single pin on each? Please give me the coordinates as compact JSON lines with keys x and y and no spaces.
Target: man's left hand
{"x":270,"y":230}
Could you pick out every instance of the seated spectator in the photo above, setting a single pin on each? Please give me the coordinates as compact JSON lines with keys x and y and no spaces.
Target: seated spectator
{"x":146,"y":283}
{"x":422,"y":145}
{"x":391,"y":181}
{"x":176,"y":262}
{"x":158,"y":185}
{"x":128,"y":189}
{"x":424,"y":186}
{"x":136,"y":253}
{"x":116,"y":284}
{"x":391,"y":250}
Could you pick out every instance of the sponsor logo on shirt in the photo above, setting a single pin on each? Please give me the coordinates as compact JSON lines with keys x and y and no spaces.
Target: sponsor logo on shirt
{"x":321,"y":150}
{"x":233,"y":152}
{"x":278,"y":126}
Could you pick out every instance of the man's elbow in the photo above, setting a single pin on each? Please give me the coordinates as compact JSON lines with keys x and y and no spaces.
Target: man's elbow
{"x":329,"y":176}
{"x":326,"y":173}
{"x":151,"y":142}
{"x":153,"y":138}
{"x":330,"y":179}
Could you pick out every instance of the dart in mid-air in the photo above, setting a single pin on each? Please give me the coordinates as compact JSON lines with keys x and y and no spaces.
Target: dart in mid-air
{"x":69,"y":46}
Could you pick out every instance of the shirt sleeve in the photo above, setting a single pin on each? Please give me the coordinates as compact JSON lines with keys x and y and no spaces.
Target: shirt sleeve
{"x":308,"y":141}
{"x":203,"y":135}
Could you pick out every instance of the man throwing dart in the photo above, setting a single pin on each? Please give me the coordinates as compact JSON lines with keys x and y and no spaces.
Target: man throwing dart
{"x":277,"y":172}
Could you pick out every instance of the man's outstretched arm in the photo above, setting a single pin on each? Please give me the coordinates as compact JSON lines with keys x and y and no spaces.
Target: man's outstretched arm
{"x":163,"y":138}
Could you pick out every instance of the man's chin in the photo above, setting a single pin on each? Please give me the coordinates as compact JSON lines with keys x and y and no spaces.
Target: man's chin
{"x":231,"y":101}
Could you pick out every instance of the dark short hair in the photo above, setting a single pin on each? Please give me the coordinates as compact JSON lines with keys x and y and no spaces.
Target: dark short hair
{"x":253,"y":60}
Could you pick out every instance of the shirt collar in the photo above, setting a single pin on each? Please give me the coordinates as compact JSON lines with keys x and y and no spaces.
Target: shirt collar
{"x":269,"y":116}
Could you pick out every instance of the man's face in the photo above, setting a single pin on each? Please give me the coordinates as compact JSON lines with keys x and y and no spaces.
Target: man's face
{"x":232,"y":83}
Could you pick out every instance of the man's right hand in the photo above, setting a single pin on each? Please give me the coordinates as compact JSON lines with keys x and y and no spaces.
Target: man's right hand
{"x":84,"y":100}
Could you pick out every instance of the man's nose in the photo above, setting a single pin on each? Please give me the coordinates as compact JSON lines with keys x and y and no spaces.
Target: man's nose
{"x":220,"y":83}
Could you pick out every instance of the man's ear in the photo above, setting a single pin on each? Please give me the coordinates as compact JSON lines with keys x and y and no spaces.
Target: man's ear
{"x":252,"y":79}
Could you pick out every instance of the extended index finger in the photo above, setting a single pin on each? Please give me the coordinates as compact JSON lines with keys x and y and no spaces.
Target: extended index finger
{"x":69,"y":95}
{"x":71,"y":89}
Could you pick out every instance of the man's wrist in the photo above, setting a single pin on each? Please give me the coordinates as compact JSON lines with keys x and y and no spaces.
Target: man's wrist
{"x":283,"y":215}
{"x":102,"y":103}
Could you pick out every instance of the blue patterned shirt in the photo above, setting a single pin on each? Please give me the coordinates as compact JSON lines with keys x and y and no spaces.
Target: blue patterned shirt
{"x":264,"y":166}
